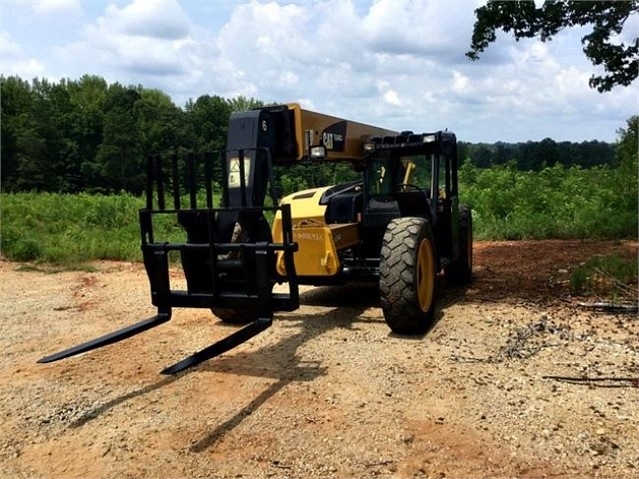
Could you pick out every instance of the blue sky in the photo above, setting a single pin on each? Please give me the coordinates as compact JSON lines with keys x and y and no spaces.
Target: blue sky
{"x":393,"y":63}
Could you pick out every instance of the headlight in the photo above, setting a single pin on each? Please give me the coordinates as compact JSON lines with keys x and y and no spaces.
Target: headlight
{"x":318,"y":152}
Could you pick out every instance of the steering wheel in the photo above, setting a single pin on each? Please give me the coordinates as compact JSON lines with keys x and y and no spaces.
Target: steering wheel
{"x":402,"y":188}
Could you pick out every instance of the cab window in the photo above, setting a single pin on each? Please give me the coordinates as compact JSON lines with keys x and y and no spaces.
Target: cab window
{"x":380,"y":180}
{"x":417,"y":171}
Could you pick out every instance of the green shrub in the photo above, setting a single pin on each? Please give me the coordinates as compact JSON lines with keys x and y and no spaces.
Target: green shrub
{"x":67,"y":229}
{"x":609,"y":275}
{"x":556,"y":202}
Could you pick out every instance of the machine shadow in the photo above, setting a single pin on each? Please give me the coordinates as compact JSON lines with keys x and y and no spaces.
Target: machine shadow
{"x":362,"y":294}
{"x":446,"y":296}
{"x":344,"y":306}
{"x":352,"y":301}
{"x":107,"y":406}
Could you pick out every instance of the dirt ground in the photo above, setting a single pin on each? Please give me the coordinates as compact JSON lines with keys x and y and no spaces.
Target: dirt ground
{"x":327,"y":391}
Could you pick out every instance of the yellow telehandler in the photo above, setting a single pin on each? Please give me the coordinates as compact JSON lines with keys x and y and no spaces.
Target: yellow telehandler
{"x":399,"y":224}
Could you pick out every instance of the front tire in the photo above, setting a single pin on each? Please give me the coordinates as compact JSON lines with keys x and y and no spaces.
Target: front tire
{"x":407,"y":274}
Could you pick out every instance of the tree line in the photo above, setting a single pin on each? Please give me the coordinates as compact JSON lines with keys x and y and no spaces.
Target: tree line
{"x":91,"y":136}
{"x":88,"y":135}
{"x":537,"y":155}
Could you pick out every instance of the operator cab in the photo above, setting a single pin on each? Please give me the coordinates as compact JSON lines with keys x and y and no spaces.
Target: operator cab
{"x":412,"y":175}
{"x":399,"y":181}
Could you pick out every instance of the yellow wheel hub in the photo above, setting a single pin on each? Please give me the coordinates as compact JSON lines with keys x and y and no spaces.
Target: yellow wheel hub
{"x":425,"y":276}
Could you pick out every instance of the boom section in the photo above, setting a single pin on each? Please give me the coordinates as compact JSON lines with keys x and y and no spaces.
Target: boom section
{"x":292,"y":134}
{"x":342,"y":139}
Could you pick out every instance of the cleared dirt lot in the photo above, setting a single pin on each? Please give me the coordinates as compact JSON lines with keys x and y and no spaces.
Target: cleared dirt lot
{"x":327,"y":391}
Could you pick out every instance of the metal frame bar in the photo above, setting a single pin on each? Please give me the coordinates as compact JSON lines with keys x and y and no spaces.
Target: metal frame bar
{"x":258,"y":291}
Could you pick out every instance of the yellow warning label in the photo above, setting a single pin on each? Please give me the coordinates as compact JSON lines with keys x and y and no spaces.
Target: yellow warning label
{"x":235,"y":173}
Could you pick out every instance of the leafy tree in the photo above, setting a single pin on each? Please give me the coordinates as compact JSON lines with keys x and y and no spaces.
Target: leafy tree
{"x":241,"y":103}
{"x":525,"y":20}
{"x":16,"y":122}
{"x":56,"y":119}
{"x":119,"y":153}
{"x":626,"y":147}
{"x":502,"y":154}
{"x":160,"y":124}
{"x":565,"y":153}
{"x":40,"y":138}
{"x":526,"y":158}
{"x":208,"y":118}
{"x":483,"y":156}
{"x":536,"y":155}
{"x":628,"y":143}
{"x":88,"y":95}
{"x":547,"y":152}
{"x":463,"y":150}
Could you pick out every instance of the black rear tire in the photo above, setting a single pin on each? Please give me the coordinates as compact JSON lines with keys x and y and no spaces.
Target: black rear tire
{"x":407,"y":275}
{"x":460,"y":271}
{"x":242,"y":235}
{"x":235,"y":316}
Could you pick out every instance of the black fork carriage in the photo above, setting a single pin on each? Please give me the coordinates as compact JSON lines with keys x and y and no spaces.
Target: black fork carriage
{"x":222,"y":269}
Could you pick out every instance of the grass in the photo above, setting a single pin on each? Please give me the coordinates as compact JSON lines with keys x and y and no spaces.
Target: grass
{"x":69,"y":230}
{"x":610,"y":276}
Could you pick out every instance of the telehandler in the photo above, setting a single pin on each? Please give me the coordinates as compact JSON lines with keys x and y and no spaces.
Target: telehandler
{"x":399,"y":225}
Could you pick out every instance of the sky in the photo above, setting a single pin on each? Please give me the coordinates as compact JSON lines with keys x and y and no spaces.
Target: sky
{"x":396,"y":64}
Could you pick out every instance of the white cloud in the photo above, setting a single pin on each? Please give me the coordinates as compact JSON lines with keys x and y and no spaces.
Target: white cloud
{"x":392,"y":98}
{"x":25,"y":69}
{"x":8,"y":47}
{"x":57,"y":7}
{"x":266,"y":32}
{"x":14,"y":61}
{"x":339,"y":37}
{"x":461,"y":84}
{"x":163,"y":20}
{"x":395,"y":63}
{"x":417,"y":28}
{"x":150,"y":43}
{"x":572,"y":82}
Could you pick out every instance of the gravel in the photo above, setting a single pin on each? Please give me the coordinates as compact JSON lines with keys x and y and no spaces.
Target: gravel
{"x":514,"y":381}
